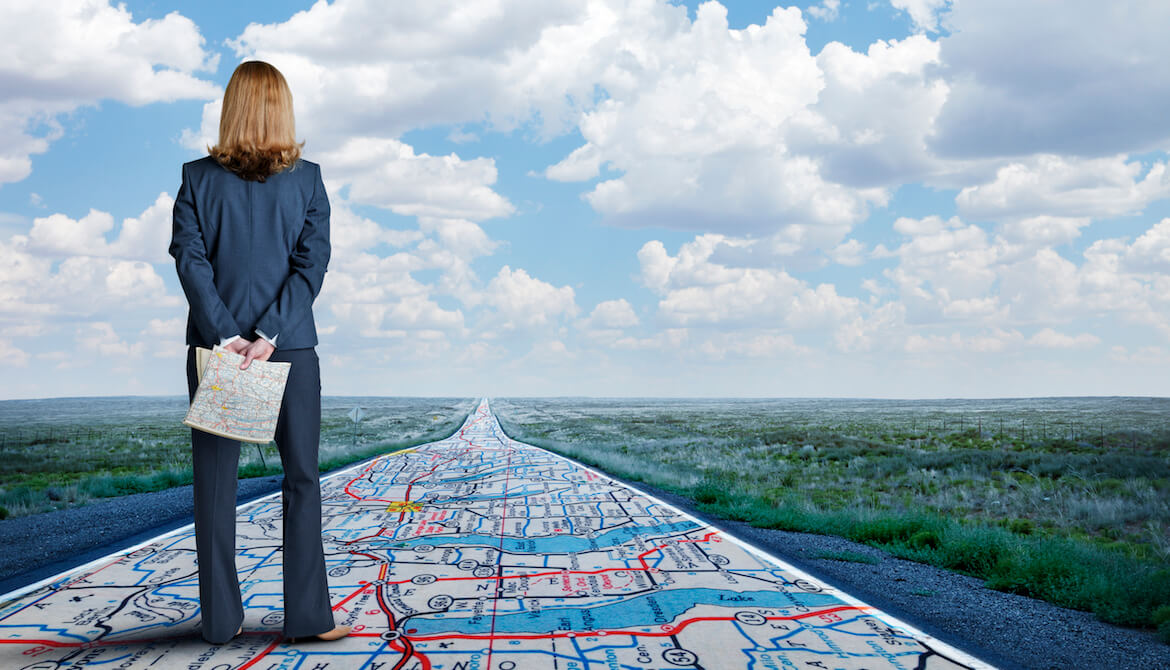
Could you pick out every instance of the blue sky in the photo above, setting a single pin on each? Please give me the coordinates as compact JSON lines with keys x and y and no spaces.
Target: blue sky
{"x":885,"y":198}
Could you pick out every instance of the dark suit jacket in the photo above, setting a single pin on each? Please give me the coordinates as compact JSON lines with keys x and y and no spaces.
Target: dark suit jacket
{"x":251,"y":255}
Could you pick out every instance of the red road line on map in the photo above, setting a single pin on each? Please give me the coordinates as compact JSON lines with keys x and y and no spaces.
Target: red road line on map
{"x":411,"y":483}
{"x":667,"y":630}
{"x":499,"y":578}
{"x":500,"y":556}
{"x":366,"y":537}
{"x":361,"y":588}
{"x":47,"y":643}
{"x":375,"y":462}
{"x":393,"y":644}
{"x":409,"y":651}
{"x":406,"y":648}
{"x":262,"y":654}
{"x":641,"y":558}
{"x":90,"y":574}
{"x":363,"y":585}
{"x":89,"y":644}
{"x":109,"y":643}
{"x":363,"y":474}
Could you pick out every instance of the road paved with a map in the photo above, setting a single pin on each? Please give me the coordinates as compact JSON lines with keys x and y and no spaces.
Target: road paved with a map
{"x":473,"y":553}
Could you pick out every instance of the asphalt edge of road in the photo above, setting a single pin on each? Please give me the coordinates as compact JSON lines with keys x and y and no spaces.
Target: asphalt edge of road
{"x":256,"y":489}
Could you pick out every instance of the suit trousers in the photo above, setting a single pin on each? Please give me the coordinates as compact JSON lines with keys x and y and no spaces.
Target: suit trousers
{"x":307,"y":610}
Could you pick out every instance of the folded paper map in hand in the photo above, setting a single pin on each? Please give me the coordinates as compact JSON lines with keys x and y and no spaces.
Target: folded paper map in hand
{"x":237,"y":404}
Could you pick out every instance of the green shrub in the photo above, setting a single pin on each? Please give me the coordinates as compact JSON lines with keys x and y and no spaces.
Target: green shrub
{"x":1128,"y":596}
{"x":1021,"y":526}
{"x":1161,"y":615}
{"x":1047,"y":570}
{"x":709,"y":493}
{"x":786,"y":517}
{"x":21,"y":496}
{"x":973,"y":550}
{"x":893,"y":530}
{"x":1161,"y":619}
{"x":924,"y":539}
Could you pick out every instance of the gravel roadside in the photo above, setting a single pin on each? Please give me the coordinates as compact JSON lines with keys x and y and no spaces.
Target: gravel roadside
{"x":40,"y":546}
{"x":1006,"y":630}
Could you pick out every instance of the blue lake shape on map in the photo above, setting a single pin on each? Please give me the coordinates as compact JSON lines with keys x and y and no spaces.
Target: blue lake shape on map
{"x":554,"y":544}
{"x":635,"y":611}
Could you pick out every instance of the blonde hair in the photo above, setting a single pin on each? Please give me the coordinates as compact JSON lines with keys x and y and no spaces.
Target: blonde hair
{"x":257,"y":132}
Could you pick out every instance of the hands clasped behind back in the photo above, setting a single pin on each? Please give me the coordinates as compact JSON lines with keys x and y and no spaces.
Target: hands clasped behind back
{"x":258,"y":349}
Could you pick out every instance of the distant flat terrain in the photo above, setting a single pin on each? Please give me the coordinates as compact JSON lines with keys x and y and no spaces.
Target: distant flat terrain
{"x":61,"y":452}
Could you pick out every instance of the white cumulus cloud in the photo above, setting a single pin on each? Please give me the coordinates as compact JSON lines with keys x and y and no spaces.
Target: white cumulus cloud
{"x":58,"y":56}
{"x":141,"y":238}
{"x":523,"y":301}
{"x":1051,"y":185}
{"x":388,"y":173}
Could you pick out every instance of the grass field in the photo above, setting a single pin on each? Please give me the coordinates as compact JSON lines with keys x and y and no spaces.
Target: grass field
{"x":1067,"y":500}
{"x":60,"y":452}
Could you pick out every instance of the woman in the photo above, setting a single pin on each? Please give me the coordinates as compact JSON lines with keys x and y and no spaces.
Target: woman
{"x":251,"y":242}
